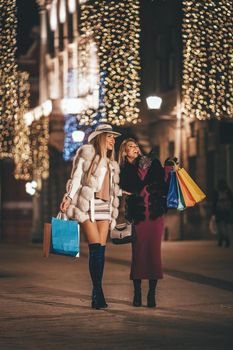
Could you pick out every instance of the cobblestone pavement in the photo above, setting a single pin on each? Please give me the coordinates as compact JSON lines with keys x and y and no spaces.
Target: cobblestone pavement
{"x":45,"y":302}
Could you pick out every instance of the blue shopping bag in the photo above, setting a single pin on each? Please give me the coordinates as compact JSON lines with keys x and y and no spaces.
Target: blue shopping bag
{"x":181,"y":203}
{"x":172,"y":196}
{"x":65,"y":236}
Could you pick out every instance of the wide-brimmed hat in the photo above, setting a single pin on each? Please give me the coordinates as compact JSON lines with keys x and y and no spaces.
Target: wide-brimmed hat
{"x":100,"y":129}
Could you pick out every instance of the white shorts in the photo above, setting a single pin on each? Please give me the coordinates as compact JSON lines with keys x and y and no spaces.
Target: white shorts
{"x":102,"y":210}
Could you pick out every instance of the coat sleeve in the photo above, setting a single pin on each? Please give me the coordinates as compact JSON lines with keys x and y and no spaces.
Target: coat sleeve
{"x":156,"y":177}
{"x":75,"y":182}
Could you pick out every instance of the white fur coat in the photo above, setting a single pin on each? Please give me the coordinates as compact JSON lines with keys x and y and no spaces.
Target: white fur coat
{"x":82,"y":192}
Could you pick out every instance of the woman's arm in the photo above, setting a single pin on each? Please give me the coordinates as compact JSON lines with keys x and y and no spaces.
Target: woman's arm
{"x":73,"y":185}
{"x":130,"y":182}
{"x":155,"y":178}
{"x":76,"y":179}
{"x":127,"y":193}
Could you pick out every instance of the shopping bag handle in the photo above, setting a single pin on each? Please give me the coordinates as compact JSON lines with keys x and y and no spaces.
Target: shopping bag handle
{"x":176,"y":166}
{"x":62,"y":216}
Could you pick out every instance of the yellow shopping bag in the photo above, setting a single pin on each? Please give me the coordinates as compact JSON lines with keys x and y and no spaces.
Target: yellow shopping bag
{"x":193,"y":188}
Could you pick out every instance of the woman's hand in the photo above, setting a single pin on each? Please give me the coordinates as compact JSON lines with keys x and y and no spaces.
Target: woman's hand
{"x":65,"y":204}
{"x":171,"y":161}
{"x":127,"y":193}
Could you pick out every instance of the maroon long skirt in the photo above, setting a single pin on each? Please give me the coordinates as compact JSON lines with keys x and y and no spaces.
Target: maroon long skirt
{"x":146,"y":250}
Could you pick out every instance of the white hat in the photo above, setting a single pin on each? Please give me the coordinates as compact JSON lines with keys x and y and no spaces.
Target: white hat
{"x":102,"y":128}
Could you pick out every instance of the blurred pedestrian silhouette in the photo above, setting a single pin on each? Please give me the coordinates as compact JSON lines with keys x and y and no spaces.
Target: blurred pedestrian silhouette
{"x":223,"y":212}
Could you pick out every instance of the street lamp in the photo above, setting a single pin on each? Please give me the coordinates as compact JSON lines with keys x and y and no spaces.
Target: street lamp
{"x":154,"y":102}
{"x":78,"y":135}
{"x":31,"y":187}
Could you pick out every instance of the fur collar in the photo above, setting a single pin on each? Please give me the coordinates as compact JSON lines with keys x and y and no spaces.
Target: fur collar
{"x":87,"y":152}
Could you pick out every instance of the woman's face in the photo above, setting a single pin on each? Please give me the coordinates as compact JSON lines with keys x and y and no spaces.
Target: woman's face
{"x":110,"y":142}
{"x":132,"y":151}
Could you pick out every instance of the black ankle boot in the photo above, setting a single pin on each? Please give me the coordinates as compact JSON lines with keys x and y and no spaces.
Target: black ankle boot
{"x":151,"y":294}
{"x":98,"y":301}
{"x":137,"y":300}
{"x":151,"y":300}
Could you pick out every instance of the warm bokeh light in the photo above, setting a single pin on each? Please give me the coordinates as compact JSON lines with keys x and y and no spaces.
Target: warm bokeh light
{"x":207,"y":65}
{"x":72,"y":6}
{"x":22,"y":152}
{"x":8,"y":77}
{"x":53,"y":15}
{"x":62,"y":11}
{"x":115,"y":27}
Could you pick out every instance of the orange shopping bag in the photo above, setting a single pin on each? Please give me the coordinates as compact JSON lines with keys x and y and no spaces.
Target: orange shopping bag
{"x":191,"y":185}
{"x":188,"y":198}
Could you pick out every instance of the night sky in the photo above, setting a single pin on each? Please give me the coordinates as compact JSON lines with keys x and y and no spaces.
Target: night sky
{"x":27,"y":14}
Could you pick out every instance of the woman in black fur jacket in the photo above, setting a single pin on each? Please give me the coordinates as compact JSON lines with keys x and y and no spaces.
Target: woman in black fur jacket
{"x":143,"y":181}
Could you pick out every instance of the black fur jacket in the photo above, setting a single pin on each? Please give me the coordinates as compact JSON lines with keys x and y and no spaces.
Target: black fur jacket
{"x":155,"y":184}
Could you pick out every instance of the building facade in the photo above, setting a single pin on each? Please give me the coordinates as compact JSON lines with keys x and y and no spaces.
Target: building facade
{"x":59,"y":58}
{"x":204,"y":148}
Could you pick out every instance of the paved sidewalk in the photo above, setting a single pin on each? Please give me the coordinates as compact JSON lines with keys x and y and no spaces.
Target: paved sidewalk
{"x":45,"y":303}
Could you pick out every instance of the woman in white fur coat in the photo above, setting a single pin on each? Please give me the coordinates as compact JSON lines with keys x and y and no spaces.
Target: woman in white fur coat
{"x":92,"y":200}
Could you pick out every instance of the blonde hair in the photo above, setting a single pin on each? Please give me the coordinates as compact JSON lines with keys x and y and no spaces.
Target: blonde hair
{"x":99,"y":144}
{"x":122,"y":150}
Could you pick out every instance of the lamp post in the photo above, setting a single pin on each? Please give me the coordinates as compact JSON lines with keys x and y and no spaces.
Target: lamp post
{"x":153,"y":103}
{"x":179,"y":124}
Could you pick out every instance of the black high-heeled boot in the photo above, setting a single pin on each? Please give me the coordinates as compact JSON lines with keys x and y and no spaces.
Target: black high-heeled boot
{"x":101,"y":265}
{"x":151,"y":294}
{"x":95,"y":272}
{"x":137,"y":300}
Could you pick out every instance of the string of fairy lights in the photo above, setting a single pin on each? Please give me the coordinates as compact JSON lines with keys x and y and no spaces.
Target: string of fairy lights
{"x":8,"y":77}
{"x":88,"y":78}
{"x":21,"y":147}
{"x":39,"y":136}
{"x":207,"y":59}
{"x":115,"y":28}
{"x":23,"y":140}
{"x":30,"y":146}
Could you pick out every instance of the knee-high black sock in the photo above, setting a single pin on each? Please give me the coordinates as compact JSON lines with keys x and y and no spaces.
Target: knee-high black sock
{"x":102,"y":260}
{"x":101,"y":266}
{"x":137,"y":286}
{"x":151,"y":293}
{"x":94,"y":267}
{"x":152,"y":286}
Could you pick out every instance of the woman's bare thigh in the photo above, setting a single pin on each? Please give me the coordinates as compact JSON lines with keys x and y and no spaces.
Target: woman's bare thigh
{"x":91,"y":231}
{"x":103,"y":228}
